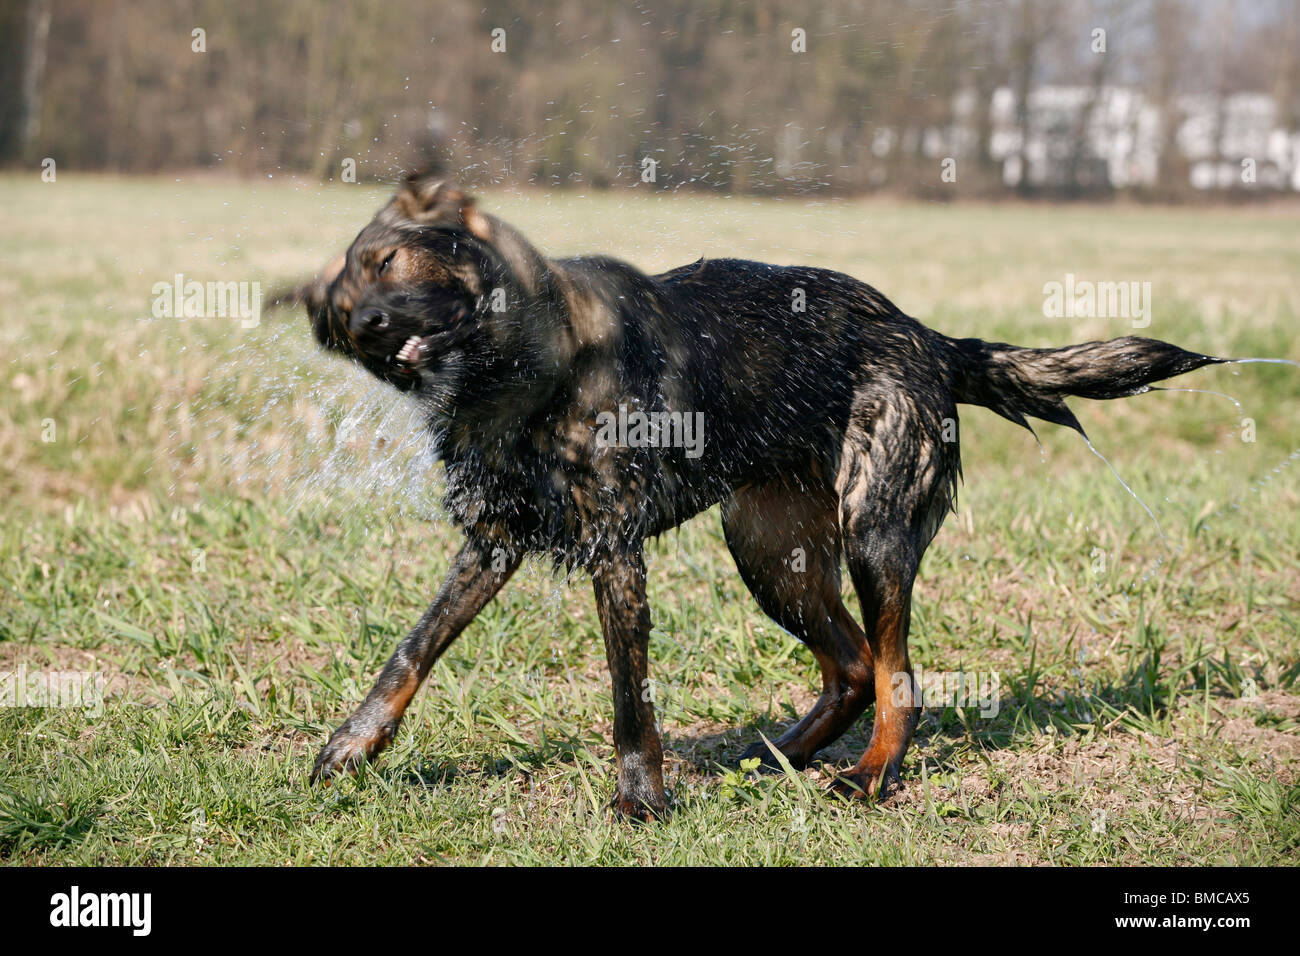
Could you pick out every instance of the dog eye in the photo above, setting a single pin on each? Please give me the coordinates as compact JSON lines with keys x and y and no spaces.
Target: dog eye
{"x":383,"y":266}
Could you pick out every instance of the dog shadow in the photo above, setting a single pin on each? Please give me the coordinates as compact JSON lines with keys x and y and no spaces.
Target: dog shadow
{"x":941,"y":732}
{"x":433,"y":774}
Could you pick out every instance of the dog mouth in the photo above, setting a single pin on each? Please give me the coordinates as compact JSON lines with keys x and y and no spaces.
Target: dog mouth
{"x":414,"y":352}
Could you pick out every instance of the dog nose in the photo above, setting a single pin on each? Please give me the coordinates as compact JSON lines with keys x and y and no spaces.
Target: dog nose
{"x":369,"y":320}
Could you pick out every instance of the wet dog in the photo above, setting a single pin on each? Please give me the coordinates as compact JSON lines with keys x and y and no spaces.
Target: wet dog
{"x":581,"y":406}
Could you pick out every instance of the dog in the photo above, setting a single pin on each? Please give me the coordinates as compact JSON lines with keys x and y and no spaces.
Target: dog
{"x":580,"y":407}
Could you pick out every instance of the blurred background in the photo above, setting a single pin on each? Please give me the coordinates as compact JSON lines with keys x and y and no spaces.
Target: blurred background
{"x":1156,"y":98}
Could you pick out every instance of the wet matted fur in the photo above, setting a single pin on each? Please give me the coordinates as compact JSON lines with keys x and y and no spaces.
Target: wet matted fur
{"x":821,"y":418}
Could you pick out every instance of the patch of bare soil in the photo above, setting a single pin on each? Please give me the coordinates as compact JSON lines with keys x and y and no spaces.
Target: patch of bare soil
{"x":1267,"y":726}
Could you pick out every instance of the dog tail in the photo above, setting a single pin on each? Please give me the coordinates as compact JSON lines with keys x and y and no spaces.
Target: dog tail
{"x":1018,"y":382}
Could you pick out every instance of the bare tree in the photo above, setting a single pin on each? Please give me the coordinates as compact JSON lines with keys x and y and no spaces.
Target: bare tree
{"x":34,"y":54}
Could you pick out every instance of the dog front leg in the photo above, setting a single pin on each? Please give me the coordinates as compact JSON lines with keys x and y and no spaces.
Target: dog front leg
{"x":469,"y":585}
{"x":619,"y":584}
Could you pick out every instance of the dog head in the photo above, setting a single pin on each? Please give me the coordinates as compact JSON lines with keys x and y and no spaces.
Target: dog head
{"x":437,"y":297}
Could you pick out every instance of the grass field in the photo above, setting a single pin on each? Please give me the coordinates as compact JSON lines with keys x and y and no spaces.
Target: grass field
{"x":235,"y":530}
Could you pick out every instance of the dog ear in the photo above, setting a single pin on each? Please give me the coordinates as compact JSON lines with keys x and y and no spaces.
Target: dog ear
{"x":310,"y":294}
{"x":434,"y":200}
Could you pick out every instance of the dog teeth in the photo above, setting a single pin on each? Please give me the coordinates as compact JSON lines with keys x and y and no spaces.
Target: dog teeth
{"x":410,"y":351}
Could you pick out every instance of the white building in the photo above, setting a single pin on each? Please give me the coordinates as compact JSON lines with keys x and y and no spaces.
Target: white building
{"x":1110,"y":136}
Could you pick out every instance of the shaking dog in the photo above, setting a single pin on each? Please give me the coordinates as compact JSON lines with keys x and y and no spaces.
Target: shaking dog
{"x":580,"y":406}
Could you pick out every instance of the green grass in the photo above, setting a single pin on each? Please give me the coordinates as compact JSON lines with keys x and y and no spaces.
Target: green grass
{"x":236,"y":530}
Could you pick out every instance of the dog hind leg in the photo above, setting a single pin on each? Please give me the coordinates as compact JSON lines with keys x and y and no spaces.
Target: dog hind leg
{"x":785,"y":540}
{"x":895,"y":486}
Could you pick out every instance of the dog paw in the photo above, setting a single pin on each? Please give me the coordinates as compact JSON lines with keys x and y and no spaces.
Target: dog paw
{"x":767,"y":762}
{"x":346,"y":751}
{"x":866,"y":784}
{"x":637,"y":810}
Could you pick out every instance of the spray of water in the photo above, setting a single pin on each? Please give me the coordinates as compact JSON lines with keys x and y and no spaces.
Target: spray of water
{"x":1126,"y":487}
{"x":1266,"y":361}
{"x":1255,"y":486}
{"x":286,"y":419}
{"x":1204,"y":391}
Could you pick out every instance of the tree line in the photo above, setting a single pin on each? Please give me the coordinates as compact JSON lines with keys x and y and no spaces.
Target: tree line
{"x":836,"y":96}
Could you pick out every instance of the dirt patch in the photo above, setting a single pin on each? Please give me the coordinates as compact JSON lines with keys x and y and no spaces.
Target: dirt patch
{"x":1269,"y":727}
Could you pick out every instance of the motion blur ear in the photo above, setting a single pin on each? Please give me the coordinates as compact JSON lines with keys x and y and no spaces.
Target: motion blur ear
{"x":330,"y":272}
{"x":434,"y":201}
{"x":314,"y":293}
